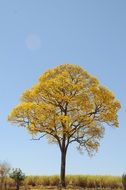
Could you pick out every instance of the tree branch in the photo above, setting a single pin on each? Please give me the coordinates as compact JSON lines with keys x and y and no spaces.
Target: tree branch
{"x":38,"y":137}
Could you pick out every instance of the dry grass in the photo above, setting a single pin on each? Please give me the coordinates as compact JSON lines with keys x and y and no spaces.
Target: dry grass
{"x":83,"y":181}
{"x":72,"y":189}
{"x":76,"y":182}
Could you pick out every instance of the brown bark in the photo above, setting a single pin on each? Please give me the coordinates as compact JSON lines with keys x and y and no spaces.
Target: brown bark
{"x":63,"y":169}
{"x":17,"y":185}
{"x":63,"y":163}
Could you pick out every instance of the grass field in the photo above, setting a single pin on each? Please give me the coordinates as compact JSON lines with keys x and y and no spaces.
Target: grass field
{"x":73,"y":182}
{"x":67,"y":188}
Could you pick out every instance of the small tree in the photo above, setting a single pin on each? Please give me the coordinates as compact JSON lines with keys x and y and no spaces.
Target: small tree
{"x":124,"y":181}
{"x":67,"y":105}
{"x":18,"y":177}
{"x":4,"y":172}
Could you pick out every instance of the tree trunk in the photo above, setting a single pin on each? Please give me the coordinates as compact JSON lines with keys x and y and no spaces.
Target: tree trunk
{"x":17,"y":185}
{"x":63,"y":168}
{"x":2,"y":183}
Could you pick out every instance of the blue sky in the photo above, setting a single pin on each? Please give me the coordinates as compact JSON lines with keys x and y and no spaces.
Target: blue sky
{"x":37,"y":35}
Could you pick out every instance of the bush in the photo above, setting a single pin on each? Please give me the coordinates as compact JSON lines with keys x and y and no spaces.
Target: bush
{"x":17,"y":176}
{"x":124,"y":181}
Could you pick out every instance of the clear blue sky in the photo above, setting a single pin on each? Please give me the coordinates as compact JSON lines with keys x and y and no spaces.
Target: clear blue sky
{"x":39,"y":34}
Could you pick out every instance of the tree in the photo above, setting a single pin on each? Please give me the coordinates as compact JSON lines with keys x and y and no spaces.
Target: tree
{"x":18,"y":176}
{"x":67,"y":105}
{"x":4,"y":171}
{"x":124,"y":181}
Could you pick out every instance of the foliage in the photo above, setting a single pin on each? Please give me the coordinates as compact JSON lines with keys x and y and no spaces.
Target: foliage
{"x":67,"y":101}
{"x":4,"y":171}
{"x":124,"y":181}
{"x":67,"y":105}
{"x":18,"y":176}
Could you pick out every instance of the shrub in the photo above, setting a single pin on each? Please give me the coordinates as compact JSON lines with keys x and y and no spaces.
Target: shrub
{"x":4,"y":171}
{"x":18,"y":177}
{"x":124,"y":181}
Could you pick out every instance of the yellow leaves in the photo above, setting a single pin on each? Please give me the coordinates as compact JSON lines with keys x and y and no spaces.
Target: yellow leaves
{"x":63,"y":119}
{"x":84,"y":103}
{"x":92,"y":145}
{"x":93,"y":81}
{"x":108,"y":116}
{"x":32,"y":115}
{"x":19,"y":110}
{"x":117,"y":105}
{"x":63,"y":97}
{"x":32,"y":128}
{"x":104,"y":97}
{"x":94,"y":89}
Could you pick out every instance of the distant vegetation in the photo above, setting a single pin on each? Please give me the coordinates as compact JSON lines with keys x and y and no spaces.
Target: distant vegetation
{"x":4,"y":173}
{"x":124,"y":181}
{"x":17,"y":176}
{"x":72,"y":181}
